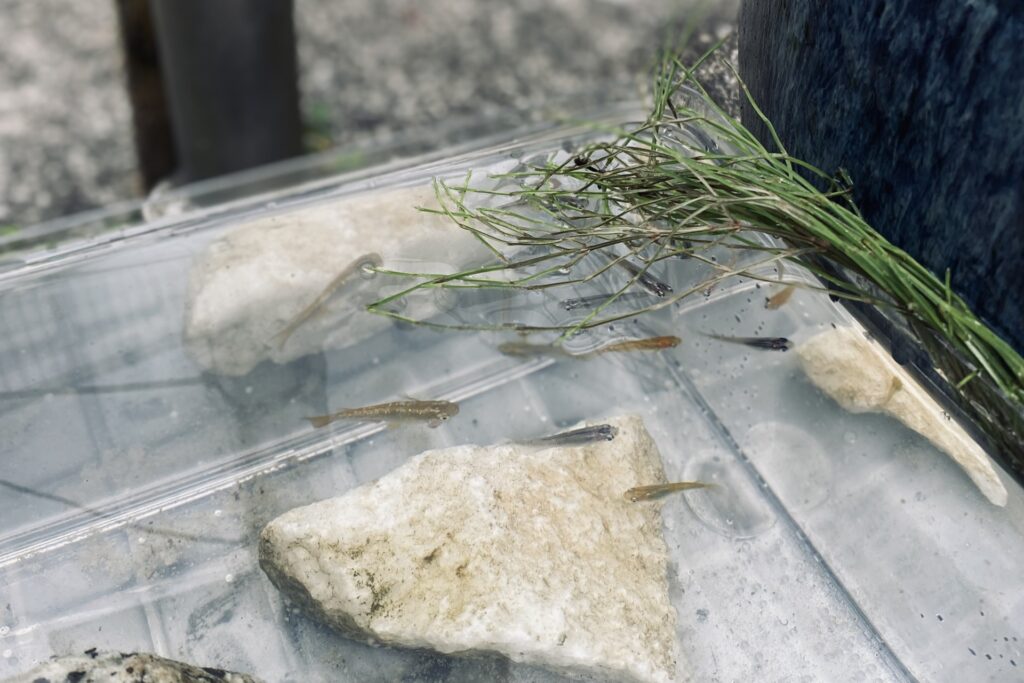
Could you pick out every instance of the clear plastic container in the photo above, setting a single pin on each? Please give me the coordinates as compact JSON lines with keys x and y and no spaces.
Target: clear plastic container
{"x":837,"y":547}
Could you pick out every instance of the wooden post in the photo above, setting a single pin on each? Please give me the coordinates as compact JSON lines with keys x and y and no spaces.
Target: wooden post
{"x":230,"y":71}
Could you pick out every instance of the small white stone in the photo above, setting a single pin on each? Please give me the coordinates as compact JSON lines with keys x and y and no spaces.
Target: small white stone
{"x":861,"y":376}
{"x":531,"y":554}
{"x":248,"y":285}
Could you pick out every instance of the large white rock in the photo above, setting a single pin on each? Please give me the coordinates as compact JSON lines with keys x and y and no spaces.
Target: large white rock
{"x":248,"y":285}
{"x":861,"y":376}
{"x":531,"y":554}
{"x":134,"y":667}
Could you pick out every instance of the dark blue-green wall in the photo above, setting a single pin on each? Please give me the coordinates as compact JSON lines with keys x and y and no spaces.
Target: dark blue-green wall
{"x":922,"y":101}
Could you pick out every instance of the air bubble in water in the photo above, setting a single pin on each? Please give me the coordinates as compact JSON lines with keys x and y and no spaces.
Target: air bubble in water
{"x":367,"y":270}
{"x":229,"y":577}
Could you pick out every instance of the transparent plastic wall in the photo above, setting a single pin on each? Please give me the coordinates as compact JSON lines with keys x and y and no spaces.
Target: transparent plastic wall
{"x":835,"y":547}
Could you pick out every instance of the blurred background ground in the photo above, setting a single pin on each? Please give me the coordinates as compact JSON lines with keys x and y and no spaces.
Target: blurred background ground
{"x":370,"y":72}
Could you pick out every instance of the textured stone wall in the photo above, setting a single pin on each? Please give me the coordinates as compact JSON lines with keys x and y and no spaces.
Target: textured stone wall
{"x":922,"y":101}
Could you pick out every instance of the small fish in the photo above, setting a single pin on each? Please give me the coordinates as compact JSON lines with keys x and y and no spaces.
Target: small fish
{"x":527,"y":350}
{"x":342,"y":277}
{"x":651,"y":284}
{"x":524,"y":349}
{"x":578,"y":437}
{"x":649,"y":344}
{"x":598,"y":299}
{"x":769,"y":343}
{"x":433,"y":412}
{"x":648,"y":282}
{"x":655,"y":491}
{"x":778,"y":300}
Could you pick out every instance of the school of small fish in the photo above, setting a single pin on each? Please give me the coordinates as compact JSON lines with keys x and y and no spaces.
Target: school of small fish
{"x":435,"y":412}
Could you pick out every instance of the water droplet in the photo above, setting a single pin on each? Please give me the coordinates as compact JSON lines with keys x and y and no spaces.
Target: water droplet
{"x":229,"y":577}
{"x":218,"y":513}
{"x":142,"y":539}
{"x":564,"y":270}
{"x":4,"y":630}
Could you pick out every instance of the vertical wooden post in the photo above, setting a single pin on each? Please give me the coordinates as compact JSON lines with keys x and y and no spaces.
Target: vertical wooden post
{"x":230,"y":72}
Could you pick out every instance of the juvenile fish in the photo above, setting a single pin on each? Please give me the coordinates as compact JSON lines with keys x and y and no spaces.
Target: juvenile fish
{"x":578,"y":437}
{"x":769,"y":343}
{"x":779,"y":299}
{"x":307,"y":313}
{"x":524,"y":349}
{"x":651,"y":284}
{"x":649,"y":344}
{"x":528,"y":350}
{"x":432,"y":412}
{"x":655,"y":491}
{"x":598,"y":299}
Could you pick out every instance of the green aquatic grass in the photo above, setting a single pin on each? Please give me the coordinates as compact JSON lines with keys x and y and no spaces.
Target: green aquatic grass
{"x":691,"y":181}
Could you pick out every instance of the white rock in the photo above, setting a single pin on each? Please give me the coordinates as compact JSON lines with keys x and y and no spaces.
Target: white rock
{"x":135,"y":667}
{"x":531,"y":554}
{"x":861,"y":376}
{"x":247,"y":286}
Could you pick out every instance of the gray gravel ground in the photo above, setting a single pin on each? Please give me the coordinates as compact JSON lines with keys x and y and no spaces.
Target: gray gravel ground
{"x":370,"y":70}
{"x":65,"y":124}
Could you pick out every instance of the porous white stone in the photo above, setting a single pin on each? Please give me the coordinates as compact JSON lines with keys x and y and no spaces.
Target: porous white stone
{"x":861,"y":376}
{"x":532,"y":554}
{"x":247,"y":286}
{"x":135,"y":667}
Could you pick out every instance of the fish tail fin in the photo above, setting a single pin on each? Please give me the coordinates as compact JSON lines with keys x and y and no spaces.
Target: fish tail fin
{"x":282,"y":337}
{"x":319,"y":421}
